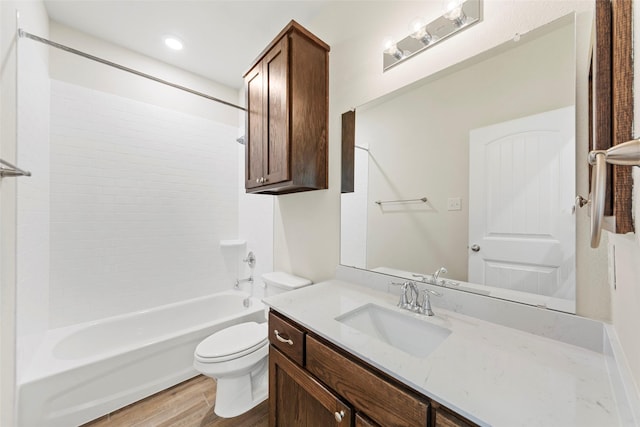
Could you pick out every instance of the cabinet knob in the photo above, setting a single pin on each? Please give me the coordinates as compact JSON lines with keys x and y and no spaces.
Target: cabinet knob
{"x":257,"y":180}
{"x":339,"y":416}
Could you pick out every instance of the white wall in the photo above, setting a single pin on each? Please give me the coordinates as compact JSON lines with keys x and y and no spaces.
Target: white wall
{"x":245,"y":216}
{"x":32,"y":18}
{"x":8,"y":134}
{"x":625,"y":250}
{"x":353,"y":214}
{"x":140,"y":200}
{"x":33,"y":192}
{"x":255,"y":225}
{"x":81,"y":71}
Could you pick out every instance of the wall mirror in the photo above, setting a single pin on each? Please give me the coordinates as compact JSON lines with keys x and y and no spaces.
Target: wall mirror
{"x":474,"y":170}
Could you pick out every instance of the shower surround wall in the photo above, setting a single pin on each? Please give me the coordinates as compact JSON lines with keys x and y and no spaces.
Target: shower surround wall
{"x":140,"y":198}
{"x":32,"y":221}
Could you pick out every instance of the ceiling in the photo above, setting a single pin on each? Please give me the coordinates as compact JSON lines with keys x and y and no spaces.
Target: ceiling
{"x":221,"y":38}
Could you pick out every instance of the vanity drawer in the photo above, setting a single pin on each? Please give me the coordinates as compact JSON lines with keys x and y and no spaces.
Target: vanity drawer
{"x":443,"y":418}
{"x":287,"y":338}
{"x":380,"y":400}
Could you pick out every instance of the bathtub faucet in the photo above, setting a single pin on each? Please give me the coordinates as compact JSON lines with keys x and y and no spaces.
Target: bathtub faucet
{"x":238,"y":281}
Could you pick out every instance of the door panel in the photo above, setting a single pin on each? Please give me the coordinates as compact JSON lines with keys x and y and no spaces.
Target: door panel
{"x":298,"y":400}
{"x":255,"y":127}
{"x":521,"y":204}
{"x":276,"y":166}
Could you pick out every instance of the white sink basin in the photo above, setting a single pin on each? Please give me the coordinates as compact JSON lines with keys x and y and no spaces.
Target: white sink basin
{"x":403,"y":331}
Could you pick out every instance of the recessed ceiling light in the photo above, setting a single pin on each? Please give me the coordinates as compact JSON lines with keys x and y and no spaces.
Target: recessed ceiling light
{"x":173,"y":43}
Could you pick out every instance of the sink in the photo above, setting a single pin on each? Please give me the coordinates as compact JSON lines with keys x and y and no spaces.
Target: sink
{"x":405,"y":332}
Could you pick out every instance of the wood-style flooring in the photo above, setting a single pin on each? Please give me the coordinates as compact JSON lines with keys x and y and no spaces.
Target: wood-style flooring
{"x":188,"y":404}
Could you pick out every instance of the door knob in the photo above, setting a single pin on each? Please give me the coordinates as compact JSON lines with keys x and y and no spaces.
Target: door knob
{"x":475,"y":248}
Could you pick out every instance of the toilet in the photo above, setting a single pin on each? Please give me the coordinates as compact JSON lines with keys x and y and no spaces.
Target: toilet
{"x":237,"y":356}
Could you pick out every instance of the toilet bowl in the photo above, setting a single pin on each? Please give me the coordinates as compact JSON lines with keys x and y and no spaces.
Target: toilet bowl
{"x":237,"y":356}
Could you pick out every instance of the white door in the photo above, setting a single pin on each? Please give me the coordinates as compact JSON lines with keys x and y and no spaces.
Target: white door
{"x":521,"y":195}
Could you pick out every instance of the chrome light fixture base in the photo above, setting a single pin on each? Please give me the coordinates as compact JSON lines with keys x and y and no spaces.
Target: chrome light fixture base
{"x":438,"y":30}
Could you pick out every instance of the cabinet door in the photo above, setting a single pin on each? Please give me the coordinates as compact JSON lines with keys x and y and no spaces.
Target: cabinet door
{"x":276,"y":167}
{"x":298,"y":400}
{"x":254,"y":138}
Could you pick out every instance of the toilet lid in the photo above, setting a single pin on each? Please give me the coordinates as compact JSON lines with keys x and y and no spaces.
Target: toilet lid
{"x":233,"y":342}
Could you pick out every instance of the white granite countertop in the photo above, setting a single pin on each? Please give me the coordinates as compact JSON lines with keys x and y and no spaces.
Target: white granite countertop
{"x":491,"y":374}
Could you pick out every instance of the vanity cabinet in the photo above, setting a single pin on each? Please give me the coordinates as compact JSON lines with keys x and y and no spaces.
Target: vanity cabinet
{"x":296,"y":399}
{"x":312,"y":382}
{"x":287,"y":98}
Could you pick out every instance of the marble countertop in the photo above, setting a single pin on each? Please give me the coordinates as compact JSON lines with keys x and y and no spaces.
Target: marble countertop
{"x":491,"y":374}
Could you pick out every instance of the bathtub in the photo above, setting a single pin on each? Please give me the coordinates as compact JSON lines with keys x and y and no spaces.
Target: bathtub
{"x":85,"y":371}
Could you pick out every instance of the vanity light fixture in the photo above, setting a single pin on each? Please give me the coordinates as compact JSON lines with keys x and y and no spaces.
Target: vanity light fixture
{"x":457,"y":15}
{"x":173,"y":43}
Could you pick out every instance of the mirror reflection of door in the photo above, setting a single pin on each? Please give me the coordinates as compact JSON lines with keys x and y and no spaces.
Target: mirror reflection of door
{"x":521,"y":219}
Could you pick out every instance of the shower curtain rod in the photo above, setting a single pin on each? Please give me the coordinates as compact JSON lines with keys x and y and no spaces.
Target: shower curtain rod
{"x":22,"y":33}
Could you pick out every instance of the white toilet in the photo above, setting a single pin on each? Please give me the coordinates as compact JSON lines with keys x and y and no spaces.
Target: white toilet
{"x":237,"y":356}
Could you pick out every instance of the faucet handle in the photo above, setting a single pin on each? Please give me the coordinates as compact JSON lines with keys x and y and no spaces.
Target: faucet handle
{"x":429,"y":291}
{"x":425,"y":307}
{"x":404,"y":300}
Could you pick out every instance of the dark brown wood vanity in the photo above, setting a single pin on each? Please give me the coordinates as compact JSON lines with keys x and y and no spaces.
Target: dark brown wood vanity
{"x":315,"y":383}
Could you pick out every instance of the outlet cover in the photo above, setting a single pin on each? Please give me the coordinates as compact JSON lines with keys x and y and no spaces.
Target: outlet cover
{"x":454,"y":204}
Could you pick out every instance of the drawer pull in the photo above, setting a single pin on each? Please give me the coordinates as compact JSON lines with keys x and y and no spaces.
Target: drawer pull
{"x":339,"y":416}
{"x":279,"y":338}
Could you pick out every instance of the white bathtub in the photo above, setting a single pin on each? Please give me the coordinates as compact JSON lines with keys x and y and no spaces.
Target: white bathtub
{"x":84,"y":371}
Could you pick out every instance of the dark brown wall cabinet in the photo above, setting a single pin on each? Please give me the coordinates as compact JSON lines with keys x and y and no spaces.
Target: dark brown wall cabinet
{"x":287,"y":98}
{"x":313,"y":383}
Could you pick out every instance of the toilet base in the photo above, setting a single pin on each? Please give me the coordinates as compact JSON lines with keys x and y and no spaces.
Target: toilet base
{"x":235,"y":396}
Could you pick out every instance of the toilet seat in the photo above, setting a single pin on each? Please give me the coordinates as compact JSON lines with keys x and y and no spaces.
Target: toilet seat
{"x":232,"y":343}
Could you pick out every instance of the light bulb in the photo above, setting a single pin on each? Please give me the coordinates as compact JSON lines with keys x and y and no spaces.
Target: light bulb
{"x":453,"y":11}
{"x":390,"y":48}
{"x":388,"y":43}
{"x":417,"y":25}
{"x":418,"y":28}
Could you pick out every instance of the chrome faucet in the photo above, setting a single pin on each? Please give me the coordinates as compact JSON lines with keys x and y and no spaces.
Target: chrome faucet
{"x":437,"y":274}
{"x":251,"y":261}
{"x":410,"y":298}
{"x":433,"y":279}
{"x":238,"y":281}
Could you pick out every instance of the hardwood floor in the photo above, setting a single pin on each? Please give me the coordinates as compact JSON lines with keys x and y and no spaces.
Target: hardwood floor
{"x":188,"y":404}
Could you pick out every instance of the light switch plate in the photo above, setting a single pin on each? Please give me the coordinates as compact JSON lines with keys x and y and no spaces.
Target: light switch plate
{"x":454,"y":204}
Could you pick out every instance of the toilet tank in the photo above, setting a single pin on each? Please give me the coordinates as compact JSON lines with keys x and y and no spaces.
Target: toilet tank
{"x":278,"y":282}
